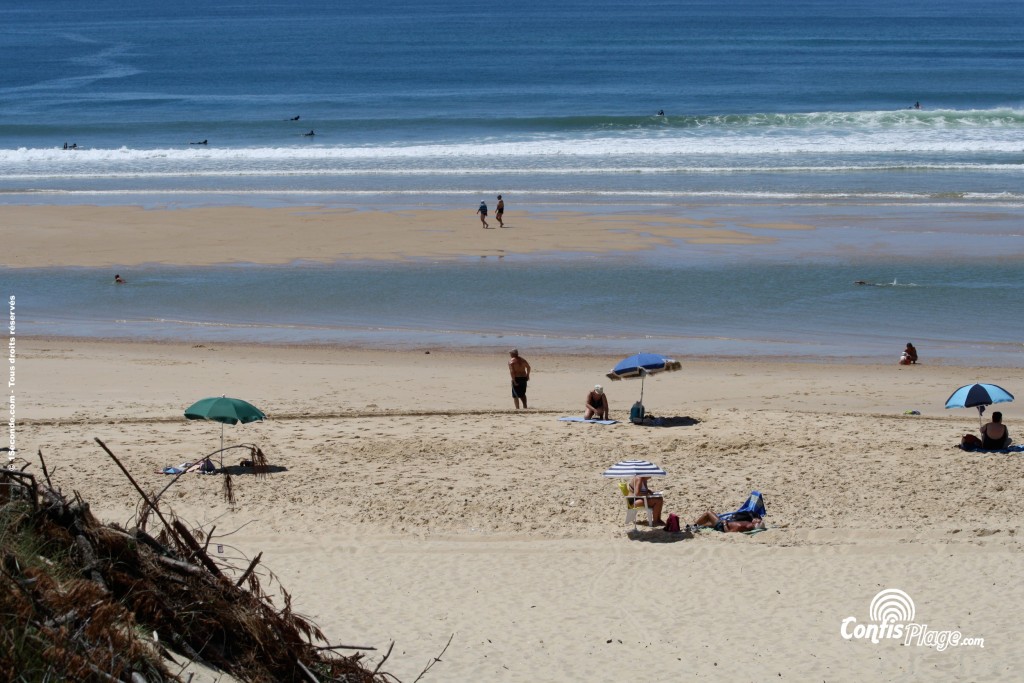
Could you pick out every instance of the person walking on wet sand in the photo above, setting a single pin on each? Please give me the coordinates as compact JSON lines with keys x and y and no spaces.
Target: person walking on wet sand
{"x":482,"y":211}
{"x":499,"y":211}
{"x":519,"y":370}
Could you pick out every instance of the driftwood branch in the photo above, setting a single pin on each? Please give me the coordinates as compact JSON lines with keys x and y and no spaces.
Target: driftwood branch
{"x":186,"y":537}
{"x":28,"y":481}
{"x":386,"y":655}
{"x":209,"y":537}
{"x":138,"y":488}
{"x":180,"y":566}
{"x":252,"y":565}
{"x":344,"y":647}
{"x":435,"y":660}
{"x":309,"y":674}
{"x":46,"y":473}
{"x":252,"y":448}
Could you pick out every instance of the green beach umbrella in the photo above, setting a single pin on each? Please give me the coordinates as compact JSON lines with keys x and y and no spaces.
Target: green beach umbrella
{"x":226,"y":411}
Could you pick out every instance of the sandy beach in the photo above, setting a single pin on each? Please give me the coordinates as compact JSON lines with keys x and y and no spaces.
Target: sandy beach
{"x":40,"y":236}
{"x":282,"y":206}
{"x":411,"y":502}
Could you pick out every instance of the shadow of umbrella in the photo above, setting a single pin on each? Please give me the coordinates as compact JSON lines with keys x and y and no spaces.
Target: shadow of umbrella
{"x":226,"y":411}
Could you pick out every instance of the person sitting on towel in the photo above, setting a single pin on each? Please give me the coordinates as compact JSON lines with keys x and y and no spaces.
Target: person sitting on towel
{"x":596,"y":404}
{"x":994,"y":435}
{"x":712,"y":521}
{"x":642,"y":495}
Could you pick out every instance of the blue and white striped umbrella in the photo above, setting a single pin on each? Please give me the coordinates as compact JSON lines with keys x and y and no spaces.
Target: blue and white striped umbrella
{"x":631,"y":468}
{"x":978,"y":395}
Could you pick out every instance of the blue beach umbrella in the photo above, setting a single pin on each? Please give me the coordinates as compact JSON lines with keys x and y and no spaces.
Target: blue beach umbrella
{"x":641,"y":365}
{"x":979,"y":396}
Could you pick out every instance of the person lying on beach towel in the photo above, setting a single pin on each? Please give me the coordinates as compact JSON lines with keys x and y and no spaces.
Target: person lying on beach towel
{"x":201,"y":466}
{"x":738,"y":522}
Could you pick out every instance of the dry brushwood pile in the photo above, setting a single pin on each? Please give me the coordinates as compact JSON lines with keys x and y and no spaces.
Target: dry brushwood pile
{"x":85,"y":601}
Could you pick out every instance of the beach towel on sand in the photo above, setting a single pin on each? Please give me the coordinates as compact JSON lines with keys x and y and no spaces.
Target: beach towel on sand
{"x":580,"y":419}
{"x":1014,"y":448}
{"x":183,"y":467}
{"x":752,"y":507}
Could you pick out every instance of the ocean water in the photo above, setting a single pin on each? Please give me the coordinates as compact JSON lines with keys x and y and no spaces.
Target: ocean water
{"x":625,"y":305}
{"x":554,"y":102}
{"x":801,"y":110}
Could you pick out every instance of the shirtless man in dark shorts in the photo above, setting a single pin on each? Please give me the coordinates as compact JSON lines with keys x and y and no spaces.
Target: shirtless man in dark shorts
{"x":499,"y":211}
{"x":519,"y":370}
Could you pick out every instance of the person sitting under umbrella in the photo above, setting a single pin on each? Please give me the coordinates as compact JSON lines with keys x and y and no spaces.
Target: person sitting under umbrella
{"x":596,"y":404}
{"x":994,"y":435}
{"x":642,"y":495}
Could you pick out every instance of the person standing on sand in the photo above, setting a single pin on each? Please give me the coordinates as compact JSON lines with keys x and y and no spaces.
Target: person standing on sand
{"x":519,"y":370}
{"x":499,"y":211}
{"x":482,"y":212}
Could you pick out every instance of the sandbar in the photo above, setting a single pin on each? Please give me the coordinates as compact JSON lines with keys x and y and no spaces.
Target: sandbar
{"x":99,"y":236}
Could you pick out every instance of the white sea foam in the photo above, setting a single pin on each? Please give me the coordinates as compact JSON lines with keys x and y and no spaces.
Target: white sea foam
{"x":863,"y":133}
{"x":505,"y":171}
{"x":990,"y":199}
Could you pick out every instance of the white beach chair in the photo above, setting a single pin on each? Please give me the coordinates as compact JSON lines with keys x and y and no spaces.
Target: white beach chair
{"x":631,"y":508}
